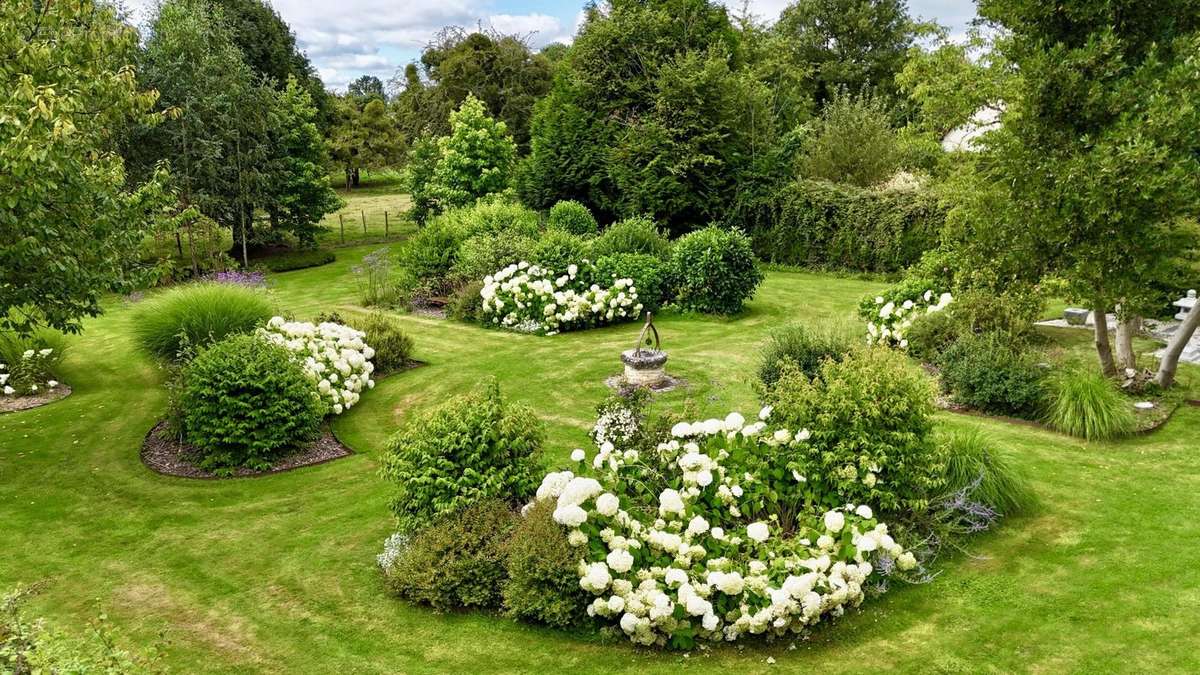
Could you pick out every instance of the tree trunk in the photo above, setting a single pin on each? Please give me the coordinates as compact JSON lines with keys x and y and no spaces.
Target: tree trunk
{"x":1170,"y":359}
{"x":349,"y":180}
{"x":1126,"y":329}
{"x":356,"y":177}
{"x":1103,"y":347}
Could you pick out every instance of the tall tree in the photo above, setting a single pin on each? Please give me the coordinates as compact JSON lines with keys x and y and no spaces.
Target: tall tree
{"x":953,"y":79}
{"x":364,"y":136}
{"x":1097,"y":163}
{"x":269,"y":47}
{"x":365,"y":88}
{"x":848,"y":44}
{"x":69,"y":224}
{"x":474,"y":160}
{"x":298,"y":194}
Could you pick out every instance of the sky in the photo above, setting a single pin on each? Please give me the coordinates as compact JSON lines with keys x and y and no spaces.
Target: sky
{"x":348,"y":38}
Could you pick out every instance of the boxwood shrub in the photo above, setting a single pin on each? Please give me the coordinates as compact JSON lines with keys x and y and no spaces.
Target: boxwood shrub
{"x":472,"y":447}
{"x":715,"y":270}
{"x":543,"y":576}
{"x":632,"y":235}
{"x":244,"y":401}
{"x":993,"y":373}
{"x":826,"y":225}
{"x":650,"y":276}
{"x":571,"y":216}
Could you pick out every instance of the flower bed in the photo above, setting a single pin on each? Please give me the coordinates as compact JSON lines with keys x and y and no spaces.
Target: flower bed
{"x":335,"y":357}
{"x":714,"y":535}
{"x":889,"y":318}
{"x":29,"y":375}
{"x":534,"y":299}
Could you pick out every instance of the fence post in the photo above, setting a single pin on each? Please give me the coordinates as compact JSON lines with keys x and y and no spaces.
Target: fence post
{"x":364,"y":219}
{"x":385,"y":225}
{"x":342,"y":222}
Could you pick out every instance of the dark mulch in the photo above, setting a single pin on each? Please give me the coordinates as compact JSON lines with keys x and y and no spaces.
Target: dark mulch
{"x":165,"y":454}
{"x":10,"y":404}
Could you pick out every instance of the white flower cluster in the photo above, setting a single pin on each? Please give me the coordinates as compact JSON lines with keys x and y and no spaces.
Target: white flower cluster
{"x":32,"y":361}
{"x":334,"y":357}
{"x":894,"y":319}
{"x":687,"y":563}
{"x":532,"y":297}
{"x":617,"y":425}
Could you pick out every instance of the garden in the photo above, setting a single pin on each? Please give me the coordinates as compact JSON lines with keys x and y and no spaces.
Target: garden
{"x":624,"y":380}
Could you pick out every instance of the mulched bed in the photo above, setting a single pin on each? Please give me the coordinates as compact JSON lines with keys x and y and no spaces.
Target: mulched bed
{"x":166,"y":455}
{"x":9,"y":404}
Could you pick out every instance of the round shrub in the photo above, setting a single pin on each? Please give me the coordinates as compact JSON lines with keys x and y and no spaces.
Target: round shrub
{"x":430,"y":254}
{"x":632,"y":235}
{"x":457,"y":560}
{"x":244,"y":401}
{"x":543,"y":578}
{"x":1086,"y":404}
{"x":556,"y":249}
{"x":493,"y":216}
{"x":871,"y":418}
{"x":177,"y":322}
{"x":483,"y":254}
{"x":472,"y":447}
{"x":392,"y":345}
{"x":571,"y":216}
{"x":803,"y":348}
{"x":994,"y":374}
{"x":931,"y":334}
{"x":715,"y":270}
{"x":649,"y":274}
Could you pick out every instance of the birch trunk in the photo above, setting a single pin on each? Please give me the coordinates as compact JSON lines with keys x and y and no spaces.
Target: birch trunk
{"x":1170,"y":359}
{"x":1126,"y":329}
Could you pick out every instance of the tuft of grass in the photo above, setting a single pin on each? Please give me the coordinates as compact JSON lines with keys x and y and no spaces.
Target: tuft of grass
{"x":183,"y":319}
{"x":1084,"y":403}
{"x":804,"y":347}
{"x":971,"y":462}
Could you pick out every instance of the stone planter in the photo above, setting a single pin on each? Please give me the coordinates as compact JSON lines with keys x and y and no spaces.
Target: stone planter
{"x":644,"y":367}
{"x":1076,"y":316}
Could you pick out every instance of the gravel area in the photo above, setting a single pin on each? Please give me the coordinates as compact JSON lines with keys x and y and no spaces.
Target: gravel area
{"x":166,"y":455}
{"x":9,"y":404}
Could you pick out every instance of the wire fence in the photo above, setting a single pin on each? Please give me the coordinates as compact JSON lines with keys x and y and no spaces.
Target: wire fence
{"x":352,"y":226}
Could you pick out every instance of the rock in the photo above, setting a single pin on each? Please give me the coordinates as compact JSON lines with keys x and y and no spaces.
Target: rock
{"x":1076,"y":316}
{"x":1144,"y":405}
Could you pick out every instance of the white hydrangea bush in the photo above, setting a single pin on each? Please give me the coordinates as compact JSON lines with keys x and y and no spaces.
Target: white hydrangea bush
{"x":335,"y":357}
{"x":534,"y":299}
{"x":713,"y":536}
{"x":892,"y":318}
{"x":27,"y":377}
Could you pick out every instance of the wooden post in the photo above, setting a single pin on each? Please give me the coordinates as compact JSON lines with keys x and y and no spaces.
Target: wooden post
{"x":385,"y":225}
{"x":364,"y":219}
{"x":342,"y":222}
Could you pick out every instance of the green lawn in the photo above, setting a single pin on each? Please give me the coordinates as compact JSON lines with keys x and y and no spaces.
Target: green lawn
{"x":276,"y":574}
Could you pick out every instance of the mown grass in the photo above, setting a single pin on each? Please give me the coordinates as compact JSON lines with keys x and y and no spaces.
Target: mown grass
{"x":276,"y":574}
{"x":376,"y":196}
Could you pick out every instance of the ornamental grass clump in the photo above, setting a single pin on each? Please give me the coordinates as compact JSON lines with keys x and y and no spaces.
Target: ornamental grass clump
{"x":473,"y":447}
{"x":180,"y":321}
{"x":245,"y":401}
{"x":715,"y":534}
{"x":1086,"y":404}
{"x":973,"y":465}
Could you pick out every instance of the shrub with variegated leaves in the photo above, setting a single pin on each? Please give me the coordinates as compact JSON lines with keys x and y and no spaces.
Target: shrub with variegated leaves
{"x":715,"y":534}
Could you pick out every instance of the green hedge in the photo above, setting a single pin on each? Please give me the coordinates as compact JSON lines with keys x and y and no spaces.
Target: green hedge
{"x":826,"y":225}
{"x":297,"y":260}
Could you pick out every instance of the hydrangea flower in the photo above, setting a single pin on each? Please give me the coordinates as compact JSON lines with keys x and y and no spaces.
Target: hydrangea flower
{"x":335,"y":358}
{"x":531,"y":298}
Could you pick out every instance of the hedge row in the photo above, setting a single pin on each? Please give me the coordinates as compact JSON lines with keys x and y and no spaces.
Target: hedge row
{"x":826,"y":225}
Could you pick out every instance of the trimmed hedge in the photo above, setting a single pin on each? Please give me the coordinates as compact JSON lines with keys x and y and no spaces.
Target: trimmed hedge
{"x":825,"y":225}
{"x":296,"y":260}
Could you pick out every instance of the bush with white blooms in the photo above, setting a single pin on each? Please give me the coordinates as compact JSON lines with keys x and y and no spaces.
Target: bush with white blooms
{"x":29,"y":375}
{"x":534,"y":299}
{"x":715,"y":534}
{"x":891,"y":318}
{"x":334,"y":357}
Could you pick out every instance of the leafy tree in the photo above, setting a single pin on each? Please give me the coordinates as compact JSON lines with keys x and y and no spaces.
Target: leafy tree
{"x":364,"y":137}
{"x":298,"y":195}
{"x":269,"y":47}
{"x":499,"y":70}
{"x":622,"y":116}
{"x":952,"y":80}
{"x":852,"y":142}
{"x":69,"y":223}
{"x":850,"y":45}
{"x":366,"y":87}
{"x":418,"y":177}
{"x":475,"y":160}
{"x":1094,"y":174}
